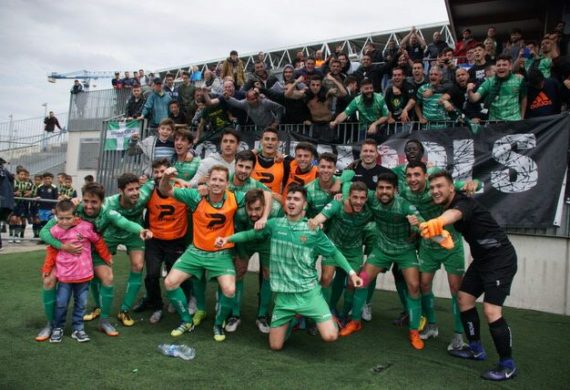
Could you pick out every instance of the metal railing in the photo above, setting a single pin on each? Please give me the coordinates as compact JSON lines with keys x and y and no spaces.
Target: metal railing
{"x":26,"y":143}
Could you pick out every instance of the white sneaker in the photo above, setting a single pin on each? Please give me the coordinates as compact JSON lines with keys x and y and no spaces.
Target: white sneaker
{"x":262,"y":325}
{"x":232,"y":324}
{"x":192,"y":306}
{"x":155,"y":317}
{"x":367,"y":312}
{"x":457,"y":343}
{"x":431,"y":330}
{"x":17,"y":241}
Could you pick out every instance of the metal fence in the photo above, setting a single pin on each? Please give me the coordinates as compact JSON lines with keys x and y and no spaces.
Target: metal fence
{"x":25,"y":143}
{"x":88,"y":110}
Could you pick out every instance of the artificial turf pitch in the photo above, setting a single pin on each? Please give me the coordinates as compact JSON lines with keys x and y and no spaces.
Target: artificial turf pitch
{"x":244,"y":359}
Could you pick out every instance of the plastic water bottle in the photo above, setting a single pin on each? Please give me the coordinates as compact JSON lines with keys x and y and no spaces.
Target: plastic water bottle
{"x":177,"y":350}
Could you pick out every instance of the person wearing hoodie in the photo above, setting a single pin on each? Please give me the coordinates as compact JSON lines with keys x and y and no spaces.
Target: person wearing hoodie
{"x":234,"y":67}
{"x":153,"y":146}
{"x":260,"y":75}
{"x":296,"y":111}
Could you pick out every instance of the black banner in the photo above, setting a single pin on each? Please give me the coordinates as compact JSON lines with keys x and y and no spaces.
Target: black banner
{"x":521,"y":164}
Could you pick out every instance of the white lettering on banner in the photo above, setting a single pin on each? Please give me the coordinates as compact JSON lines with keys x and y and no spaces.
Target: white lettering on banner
{"x":436,"y":154}
{"x":388,"y":156}
{"x":463,"y":159}
{"x":525,"y":168}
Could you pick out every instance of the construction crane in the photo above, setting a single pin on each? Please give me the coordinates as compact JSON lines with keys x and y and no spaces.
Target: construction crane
{"x":84,"y":75}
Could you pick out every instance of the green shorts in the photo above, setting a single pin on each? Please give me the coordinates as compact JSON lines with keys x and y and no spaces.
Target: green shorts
{"x":354,"y":257}
{"x":133,"y":243}
{"x":195,"y":261}
{"x":431,"y":258}
{"x":383,"y":260}
{"x":310,"y":304}
{"x":244,"y":251}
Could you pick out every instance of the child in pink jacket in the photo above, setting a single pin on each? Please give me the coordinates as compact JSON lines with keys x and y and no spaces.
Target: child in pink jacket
{"x":73,"y":271}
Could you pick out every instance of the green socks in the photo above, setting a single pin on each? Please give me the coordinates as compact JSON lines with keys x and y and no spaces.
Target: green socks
{"x":370,"y":290}
{"x":428,"y":305}
{"x":48,"y":298}
{"x":414,"y":311}
{"x":348,"y":301}
{"x":106,"y":300}
{"x":199,"y":292}
{"x":96,"y":291}
{"x":264,"y":298}
{"x":457,"y":324}
{"x":236,"y":311}
{"x":224,"y":308}
{"x":178,"y":300}
{"x":133,"y":287}
{"x":338,"y":284}
{"x":360,"y":295}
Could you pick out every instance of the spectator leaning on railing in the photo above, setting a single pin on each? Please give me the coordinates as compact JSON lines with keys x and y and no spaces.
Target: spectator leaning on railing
{"x":156,"y":105}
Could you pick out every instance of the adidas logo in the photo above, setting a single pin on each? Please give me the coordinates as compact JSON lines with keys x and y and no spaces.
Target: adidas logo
{"x":541,"y":100}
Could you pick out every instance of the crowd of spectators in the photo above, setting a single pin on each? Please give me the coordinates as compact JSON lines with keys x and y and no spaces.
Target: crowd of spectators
{"x":481,"y":78}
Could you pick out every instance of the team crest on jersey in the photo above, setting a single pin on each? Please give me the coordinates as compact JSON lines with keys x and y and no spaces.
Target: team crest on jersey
{"x":303,"y":239}
{"x":375,"y":179}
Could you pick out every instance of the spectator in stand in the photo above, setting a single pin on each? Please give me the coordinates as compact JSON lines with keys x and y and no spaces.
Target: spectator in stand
{"x":213,"y":83}
{"x":78,"y":97}
{"x":299,"y":60}
{"x":319,"y":60}
{"x":347,"y":66}
{"x":371,"y":108}
{"x":459,"y":98}
{"x":135,"y":103}
{"x":260,"y":77}
{"x":544,"y":95}
{"x":447,"y":65}
{"x":492,"y":38}
{"x":156,"y":105}
{"x":433,"y":100}
{"x":542,"y":61}
{"x":463,"y":45}
{"x":335,"y":72}
{"x":470,"y":58}
{"x":143,"y":79}
{"x":319,"y":102}
{"x":477,"y":71}
{"x":352,"y":90}
{"x":233,"y":67}
{"x":117,"y":82}
{"x":418,"y":77}
{"x":296,"y":111}
{"x":308,"y":70}
{"x":370,"y":71}
{"x":128,"y":82}
{"x":154,"y":146}
{"x":391,"y":51}
{"x":435,"y":47}
{"x":263,"y":112}
{"x":213,"y":117}
{"x":505,"y":95}
{"x":490,"y":50}
{"x":176,"y":114}
{"x":169,"y":86}
{"x":375,"y":55}
{"x":513,"y":47}
{"x":414,"y":44}
{"x":185,"y":93}
{"x":400,"y":98}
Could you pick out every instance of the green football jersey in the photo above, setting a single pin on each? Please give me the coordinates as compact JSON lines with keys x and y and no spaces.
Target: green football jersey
{"x":186,"y":170}
{"x":346,"y":230}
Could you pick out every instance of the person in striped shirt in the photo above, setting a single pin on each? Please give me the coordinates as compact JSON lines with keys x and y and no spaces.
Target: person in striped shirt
{"x":293,"y":274}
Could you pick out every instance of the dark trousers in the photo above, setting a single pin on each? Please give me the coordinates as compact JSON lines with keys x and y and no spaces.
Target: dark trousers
{"x":156,"y":252}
